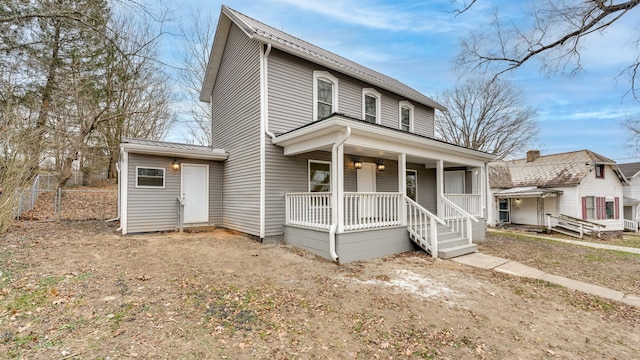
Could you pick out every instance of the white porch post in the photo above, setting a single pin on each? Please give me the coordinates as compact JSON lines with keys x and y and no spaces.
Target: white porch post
{"x":484,"y":189}
{"x":339,"y":187}
{"x":402,"y":187}
{"x":440,"y":187}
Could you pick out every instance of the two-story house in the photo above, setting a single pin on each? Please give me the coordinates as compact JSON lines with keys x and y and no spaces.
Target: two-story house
{"x":631,"y":203}
{"x":573,"y":189}
{"x":311,"y":149}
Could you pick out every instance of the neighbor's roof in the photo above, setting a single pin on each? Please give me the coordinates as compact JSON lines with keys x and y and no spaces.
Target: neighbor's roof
{"x":163,"y":148}
{"x":565,"y":169}
{"x":630,"y":170}
{"x":292,"y":45}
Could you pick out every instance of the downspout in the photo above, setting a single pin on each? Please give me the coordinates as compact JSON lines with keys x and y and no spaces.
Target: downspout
{"x":119,"y":185}
{"x":334,"y":193}
{"x":264,"y":129}
{"x":266,"y":93}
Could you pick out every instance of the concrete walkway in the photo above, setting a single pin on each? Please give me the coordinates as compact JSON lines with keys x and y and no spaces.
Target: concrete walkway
{"x":574,"y":242}
{"x":489,"y":262}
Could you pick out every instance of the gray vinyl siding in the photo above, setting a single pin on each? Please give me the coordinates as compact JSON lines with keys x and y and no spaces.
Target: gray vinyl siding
{"x":427,"y":189}
{"x":235,"y":113}
{"x":291,"y":97}
{"x":156,"y":209}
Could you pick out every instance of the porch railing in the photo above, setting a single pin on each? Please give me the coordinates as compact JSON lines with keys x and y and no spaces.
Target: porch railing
{"x":312,"y":210}
{"x":631,"y":225}
{"x":457,"y":219}
{"x":371,"y":210}
{"x":361,"y":210}
{"x":423,"y":227}
{"x":471,"y":203}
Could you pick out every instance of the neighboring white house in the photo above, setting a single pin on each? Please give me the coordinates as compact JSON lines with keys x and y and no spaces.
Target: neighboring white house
{"x":580,"y":184}
{"x":631,"y":195}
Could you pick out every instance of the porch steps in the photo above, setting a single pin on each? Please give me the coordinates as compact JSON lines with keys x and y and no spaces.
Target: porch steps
{"x":457,"y":251}
{"x":450,"y":244}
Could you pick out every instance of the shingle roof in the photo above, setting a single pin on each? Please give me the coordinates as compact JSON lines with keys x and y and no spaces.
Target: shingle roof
{"x":565,"y":169}
{"x":630,"y":169}
{"x":298,"y":47}
{"x":164,"y":144}
{"x":162,"y":148}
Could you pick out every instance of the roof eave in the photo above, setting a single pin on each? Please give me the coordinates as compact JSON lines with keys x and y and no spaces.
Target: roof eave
{"x":213,"y":154}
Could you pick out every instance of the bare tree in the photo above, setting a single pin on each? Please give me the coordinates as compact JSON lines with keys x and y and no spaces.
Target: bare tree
{"x":197,"y":42}
{"x":486,"y":115}
{"x":552,"y":31}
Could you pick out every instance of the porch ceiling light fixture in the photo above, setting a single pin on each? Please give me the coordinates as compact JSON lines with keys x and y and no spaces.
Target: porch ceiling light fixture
{"x":357,"y":163}
{"x":175,"y":165}
{"x":381,"y":166}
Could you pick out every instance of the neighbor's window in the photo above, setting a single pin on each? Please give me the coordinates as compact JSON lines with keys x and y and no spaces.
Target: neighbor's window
{"x":371,"y":105}
{"x":325,"y":94}
{"x":149,"y":177}
{"x":590,"y":207}
{"x":319,"y":176}
{"x":412,"y":184}
{"x":600,"y":171}
{"x":610,"y":210}
{"x":406,"y":116}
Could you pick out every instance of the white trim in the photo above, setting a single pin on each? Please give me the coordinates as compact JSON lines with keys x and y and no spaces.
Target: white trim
{"x":405,"y":182}
{"x":325,"y":76}
{"x":373,"y":93}
{"x":213,"y":154}
{"x":208,"y":184}
{"x":309,"y":161}
{"x":164,"y":178}
{"x":408,"y":105}
{"x":124,"y":179}
{"x":263,"y":167}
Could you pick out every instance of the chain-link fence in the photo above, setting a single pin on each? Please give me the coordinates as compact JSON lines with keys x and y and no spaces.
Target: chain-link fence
{"x":76,"y":204}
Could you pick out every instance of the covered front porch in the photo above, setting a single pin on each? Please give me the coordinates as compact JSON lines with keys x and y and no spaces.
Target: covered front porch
{"x":383,"y":191}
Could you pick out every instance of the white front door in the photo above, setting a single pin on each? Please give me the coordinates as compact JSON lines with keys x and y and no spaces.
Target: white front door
{"x":195,"y":193}
{"x":367,"y":184}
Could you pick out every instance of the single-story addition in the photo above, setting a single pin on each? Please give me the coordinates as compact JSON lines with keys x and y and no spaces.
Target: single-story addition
{"x":580,"y":189}
{"x":319,"y":152}
{"x":631,"y":203}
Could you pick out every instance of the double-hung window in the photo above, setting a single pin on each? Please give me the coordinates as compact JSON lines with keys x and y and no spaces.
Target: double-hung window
{"x":406,"y":116}
{"x":325,"y":94}
{"x":371,"y":105}
{"x":600,"y":208}
{"x":319,"y":176}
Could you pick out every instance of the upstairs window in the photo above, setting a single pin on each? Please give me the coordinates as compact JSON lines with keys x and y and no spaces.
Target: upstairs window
{"x":371,"y":105}
{"x":406,"y":116}
{"x":325,"y":94}
{"x":600,"y":171}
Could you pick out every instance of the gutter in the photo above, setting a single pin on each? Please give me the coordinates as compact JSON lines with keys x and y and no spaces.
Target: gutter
{"x":264,"y":130}
{"x":334,"y":193}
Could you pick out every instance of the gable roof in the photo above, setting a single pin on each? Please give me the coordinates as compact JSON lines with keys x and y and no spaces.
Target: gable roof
{"x":564,"y":169}
{"x":300,"y":48}
{"x":630,"y":170}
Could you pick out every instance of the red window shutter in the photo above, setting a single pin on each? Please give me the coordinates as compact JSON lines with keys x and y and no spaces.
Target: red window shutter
{"x":599,"y":208}
{"x":616,"y":207}
{"x":584,"y":208}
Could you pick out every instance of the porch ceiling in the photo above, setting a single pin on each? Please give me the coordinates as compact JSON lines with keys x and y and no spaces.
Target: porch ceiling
{"x":376,"y":141}
{"x":527,"y":192}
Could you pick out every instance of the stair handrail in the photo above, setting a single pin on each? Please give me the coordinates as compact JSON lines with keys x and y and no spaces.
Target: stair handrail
{"x":412,"y":227}
{"x":468,"y":217}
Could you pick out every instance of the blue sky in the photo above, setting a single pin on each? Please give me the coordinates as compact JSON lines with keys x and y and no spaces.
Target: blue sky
{"x":416,"y":42}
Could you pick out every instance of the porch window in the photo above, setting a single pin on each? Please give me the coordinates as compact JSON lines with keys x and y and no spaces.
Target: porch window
{"x":412,"y":184}
{"x":504,"y":212}
{"x":147,"y":177}
{"x":406,"y":116}
{"x":325,"y":94}
{"x":371,"y":105}
{"x":319,"y":176}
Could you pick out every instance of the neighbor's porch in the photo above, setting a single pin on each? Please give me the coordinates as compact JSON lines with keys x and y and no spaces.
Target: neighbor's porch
{"x":445,"y":208}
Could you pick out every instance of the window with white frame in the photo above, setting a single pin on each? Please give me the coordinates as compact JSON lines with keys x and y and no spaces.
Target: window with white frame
{"x":319,"y":176}
{"x":406,"y":116}
{"x":371,"y":100}
{"x":504,"y":210}
{"x":590,"y":207}
{"x":325,"y":94}
{"x":149,"y":177}
{"x":412,"y":185}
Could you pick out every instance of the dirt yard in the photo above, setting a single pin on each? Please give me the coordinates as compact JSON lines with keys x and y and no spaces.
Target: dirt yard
{"x":77,"y":290}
